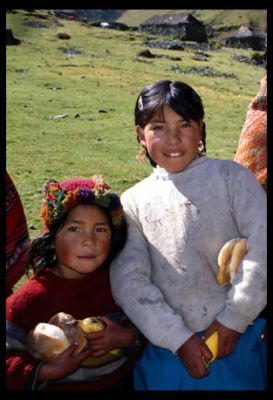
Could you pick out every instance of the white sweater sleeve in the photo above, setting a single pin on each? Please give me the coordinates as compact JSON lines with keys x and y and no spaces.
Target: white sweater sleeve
{"x":141,"y":300}
{"x":248,"y":293}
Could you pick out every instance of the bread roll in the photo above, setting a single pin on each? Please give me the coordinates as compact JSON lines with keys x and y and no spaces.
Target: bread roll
{"x":46,"y":342}
{"x":71,"y":329}
{"x":239,"y":251}
{"x":229,"y":259}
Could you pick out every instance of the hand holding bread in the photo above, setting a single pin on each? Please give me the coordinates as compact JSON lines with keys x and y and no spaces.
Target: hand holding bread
{"x":229,"y":259}
{"x":48,"y":340}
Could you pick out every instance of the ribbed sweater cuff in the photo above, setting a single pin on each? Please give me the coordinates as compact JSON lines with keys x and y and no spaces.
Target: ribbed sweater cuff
{"x":231,"y":319}
{"x":177,"y":340}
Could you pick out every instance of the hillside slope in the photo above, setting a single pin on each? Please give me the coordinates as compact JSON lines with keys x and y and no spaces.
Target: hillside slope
{"x":218,"y":20}
{"x":70,"y":101}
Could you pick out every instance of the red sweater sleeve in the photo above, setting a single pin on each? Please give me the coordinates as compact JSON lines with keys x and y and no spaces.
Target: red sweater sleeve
{"x":20,"y":311}
{"x":19,"y":366}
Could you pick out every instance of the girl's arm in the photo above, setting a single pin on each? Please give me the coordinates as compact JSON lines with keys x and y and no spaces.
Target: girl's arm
{"x":63,"y":365}
{"x":19,"y":367}
{"x":19,"y":363}
{"x":227,"y":338}
{"x":195,"y":356}
{"x":142,"y":301}
{"x":248,"y":292}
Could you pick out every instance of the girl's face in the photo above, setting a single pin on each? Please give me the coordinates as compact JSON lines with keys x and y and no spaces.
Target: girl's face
{"x":171,"y":143}
{"x":83,"y":243}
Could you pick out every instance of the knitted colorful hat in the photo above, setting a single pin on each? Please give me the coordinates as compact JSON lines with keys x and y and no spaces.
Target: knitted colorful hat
{"x":59,"y":197}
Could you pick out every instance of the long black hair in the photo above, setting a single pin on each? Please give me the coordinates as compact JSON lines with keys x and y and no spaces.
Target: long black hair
{"x":181,"y":97}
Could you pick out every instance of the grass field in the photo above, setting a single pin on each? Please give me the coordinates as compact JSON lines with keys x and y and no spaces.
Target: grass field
{"x":97,"y":89}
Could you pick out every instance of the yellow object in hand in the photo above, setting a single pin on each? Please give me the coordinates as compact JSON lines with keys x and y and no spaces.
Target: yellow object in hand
{"x":91,"y":324}
{"x":115,"y":352}
{"x":212,"y":343}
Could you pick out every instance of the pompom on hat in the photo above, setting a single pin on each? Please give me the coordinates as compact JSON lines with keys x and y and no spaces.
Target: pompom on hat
{"x":59,"y":197}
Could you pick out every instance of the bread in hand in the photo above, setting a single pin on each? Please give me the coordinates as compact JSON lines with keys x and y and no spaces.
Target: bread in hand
{"x":229,"y":259}
{"x":71,"y":329}
{"x":48,"y":340}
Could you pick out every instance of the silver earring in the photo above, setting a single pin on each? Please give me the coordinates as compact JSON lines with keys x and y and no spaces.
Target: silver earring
{"x":54,"y":258}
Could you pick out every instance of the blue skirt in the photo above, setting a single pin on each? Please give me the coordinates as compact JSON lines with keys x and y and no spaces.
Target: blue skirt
{"x":244,"y":369}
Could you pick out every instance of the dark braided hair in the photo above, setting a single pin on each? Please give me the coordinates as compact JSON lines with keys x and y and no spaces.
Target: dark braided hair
{"x":181,"y":97}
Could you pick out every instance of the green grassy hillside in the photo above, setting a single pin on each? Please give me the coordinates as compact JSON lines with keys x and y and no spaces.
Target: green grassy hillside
{"x":97,"y":89}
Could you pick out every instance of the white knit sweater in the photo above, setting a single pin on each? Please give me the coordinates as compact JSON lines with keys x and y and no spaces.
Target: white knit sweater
{"x":165,"y":278}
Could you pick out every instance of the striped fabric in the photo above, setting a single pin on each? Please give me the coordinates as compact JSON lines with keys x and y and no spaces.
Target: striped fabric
{"x":17,"y":237}
{"x":252,"y":147}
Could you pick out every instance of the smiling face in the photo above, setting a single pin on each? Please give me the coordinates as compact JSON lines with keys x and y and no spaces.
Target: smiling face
{"x":83,"y":243}
{"x":170,"y":140}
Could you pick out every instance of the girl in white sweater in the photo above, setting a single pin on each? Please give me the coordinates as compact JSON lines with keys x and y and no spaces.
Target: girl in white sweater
{"x":165,"y":278}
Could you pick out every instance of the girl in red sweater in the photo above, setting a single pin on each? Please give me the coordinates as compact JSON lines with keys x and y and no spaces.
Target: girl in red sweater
{"x":85,"y":229}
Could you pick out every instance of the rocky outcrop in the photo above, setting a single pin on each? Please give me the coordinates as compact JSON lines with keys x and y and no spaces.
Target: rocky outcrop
{"x":10,"y":39}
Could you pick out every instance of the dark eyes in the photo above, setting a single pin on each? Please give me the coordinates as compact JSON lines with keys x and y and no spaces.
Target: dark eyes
{"x":185,"y":124}
{"x":160,"y":127}
{"x":99,"y":229}
{"x":182,"y":125}
{"x":73,"y":229}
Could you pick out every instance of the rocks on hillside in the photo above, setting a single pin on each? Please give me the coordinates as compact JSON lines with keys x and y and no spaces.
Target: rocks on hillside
{"x":90,"y":15}
{"x":10,"y":39}
{"x":148,"y":54}
{"x":63,"y":36}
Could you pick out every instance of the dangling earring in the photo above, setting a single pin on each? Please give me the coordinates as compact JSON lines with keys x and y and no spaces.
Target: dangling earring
{"x":53,"y":258}
{"x":141,"y":154}
{"x":200,"y":148}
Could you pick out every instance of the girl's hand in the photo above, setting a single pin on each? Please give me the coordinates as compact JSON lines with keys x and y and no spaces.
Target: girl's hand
{"x":194,"y":355}
{"x":113,"y":336}
{"x":64,"y":365}
{"x":227,"y":338}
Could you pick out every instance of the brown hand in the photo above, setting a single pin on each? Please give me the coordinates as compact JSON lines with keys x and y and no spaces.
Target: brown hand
{"x":227,"y":338}
{"x":194,"y":355}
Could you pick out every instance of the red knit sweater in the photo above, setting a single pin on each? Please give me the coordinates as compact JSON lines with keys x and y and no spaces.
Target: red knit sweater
{"x":45,"y":295}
